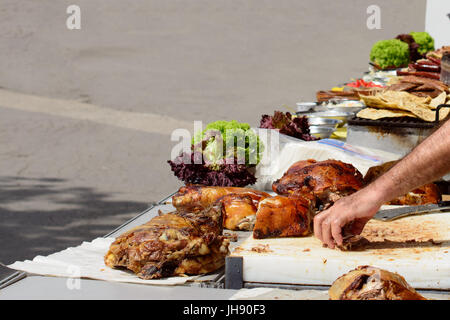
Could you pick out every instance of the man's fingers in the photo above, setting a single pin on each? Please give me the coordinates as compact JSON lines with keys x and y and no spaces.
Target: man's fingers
{"x":326,"y":233}
{"x":318,"y":219}
{"x":336,"y":231}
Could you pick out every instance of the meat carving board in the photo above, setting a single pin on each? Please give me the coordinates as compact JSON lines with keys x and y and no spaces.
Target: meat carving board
{"x":416,"y":247}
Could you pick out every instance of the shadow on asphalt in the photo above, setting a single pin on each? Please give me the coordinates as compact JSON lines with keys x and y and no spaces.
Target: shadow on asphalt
{"x":42,"y":216}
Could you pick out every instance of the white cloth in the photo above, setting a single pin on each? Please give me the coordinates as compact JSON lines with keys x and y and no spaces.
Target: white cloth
{"x":274,"y":164}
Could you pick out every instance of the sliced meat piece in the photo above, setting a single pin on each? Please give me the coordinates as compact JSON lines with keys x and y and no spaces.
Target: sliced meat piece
{"x":282,"y":216}
{"x":432,"y":94}
{"x":402,"y":86}
{"x":323,"y":96}
{"x":426,"y":194}
{"x":420,"y":80}
{"x":327,"y":180}
{"x":354,"y":243}
{"x":370,"y":283}
{"x":197,"y":197}
{"x":424,"y":74}
{"x":424,"y":87}
{"x":238,"y":211}
{"x":299,"y":165}
{"x":172,"y":244}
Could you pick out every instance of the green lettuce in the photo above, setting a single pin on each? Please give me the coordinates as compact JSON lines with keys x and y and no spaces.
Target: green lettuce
{"x":228,"y":140}
{"x":390,"y":53}
{"x":424,"y":40}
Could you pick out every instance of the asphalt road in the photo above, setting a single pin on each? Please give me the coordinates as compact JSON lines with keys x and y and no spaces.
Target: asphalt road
{"x":71,"y":172}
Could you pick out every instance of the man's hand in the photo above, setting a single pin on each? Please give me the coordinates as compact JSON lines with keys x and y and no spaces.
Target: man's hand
{"x":427,"y":162}
{"x":357,"y":208}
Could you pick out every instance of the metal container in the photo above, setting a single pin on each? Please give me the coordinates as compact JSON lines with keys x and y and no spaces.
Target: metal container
{"x":395,"y":135}
{"x":340,"y":105}
{"x":445,"y":68}
{"x":324,"y":122}
{"x":338,"y":115}
{"x":321,"y":132}
{"x":305,"y":106}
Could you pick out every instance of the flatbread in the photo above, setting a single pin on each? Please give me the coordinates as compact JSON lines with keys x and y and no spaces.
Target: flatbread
{"x":375,"y":114}
{"x":377,"y":102}
{"x":395,"y":100}
{"x":443,"y":113}
{"x":440,"y":99}
{"x":421,"y":112}
{"x":406,"y":97}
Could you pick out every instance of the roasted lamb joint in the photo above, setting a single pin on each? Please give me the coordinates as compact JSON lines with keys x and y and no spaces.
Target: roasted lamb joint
{"x":172,"y":244}
{"x":239,"y":212}
{"x":426,"y":194}
{"x":370,"y":283}
{"x":282,"y":216}
{"x":196,"y":197}
{"x":327,"y":181}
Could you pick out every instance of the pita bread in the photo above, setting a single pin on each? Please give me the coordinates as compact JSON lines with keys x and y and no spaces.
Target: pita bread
{"x":440,"y":99}
{"x":377,"y":102}
{"x":375,"y":114}
{"x":397,"y":100}
{"x":443,"y":113}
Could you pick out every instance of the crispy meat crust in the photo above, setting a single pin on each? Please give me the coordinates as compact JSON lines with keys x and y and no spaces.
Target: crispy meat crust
{"x":238,"y":211}
{"x":197,"y":197}
{"x":326,"y":180}
{"x":306,"y":187}
{"x":172,"y":244}
{"x":426,"y":194}
{"x":282,"y":216}
{"x":370,"y":283}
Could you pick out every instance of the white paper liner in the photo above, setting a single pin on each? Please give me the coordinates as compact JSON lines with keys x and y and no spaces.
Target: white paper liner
{"x":86,"y":261}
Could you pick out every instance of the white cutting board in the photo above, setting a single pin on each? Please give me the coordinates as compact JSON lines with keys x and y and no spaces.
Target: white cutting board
{"x":423,"y":264}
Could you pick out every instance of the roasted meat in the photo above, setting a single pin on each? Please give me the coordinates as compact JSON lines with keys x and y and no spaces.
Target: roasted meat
{"x":353,"y":243}
{"x":370,"y":283}
{"x":172,"y":244}
{"x":426,"y":194}
{"x":324,"y":96}
{"x":419,"y":85}
{"x":238,"y":211}
{"x":282,"y":216}
{"x":197,"y":197}
{"x":327,"y":181}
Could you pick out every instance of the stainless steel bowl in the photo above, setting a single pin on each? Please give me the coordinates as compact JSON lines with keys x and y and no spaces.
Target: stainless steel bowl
{"x":340,"y":109}
{"x":340,"y":106}
{"x":324,"y":122}
{"x":305,"y":106}
{"x":343,"y":116}
{"x":321,"y":132}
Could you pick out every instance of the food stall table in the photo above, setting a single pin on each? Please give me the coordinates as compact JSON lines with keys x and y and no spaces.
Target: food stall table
{"x":38,"y":287}
{"x":21,"y":285}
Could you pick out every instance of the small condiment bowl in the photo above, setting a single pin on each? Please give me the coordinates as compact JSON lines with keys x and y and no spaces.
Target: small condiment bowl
{"x":321,"y":132}
{"x":305,"y":106}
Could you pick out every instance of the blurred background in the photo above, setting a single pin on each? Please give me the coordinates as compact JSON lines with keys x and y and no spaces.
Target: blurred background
{"x":86,"y":115}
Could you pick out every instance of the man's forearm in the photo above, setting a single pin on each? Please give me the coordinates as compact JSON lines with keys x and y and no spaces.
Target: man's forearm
{"x":427,"y":162}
